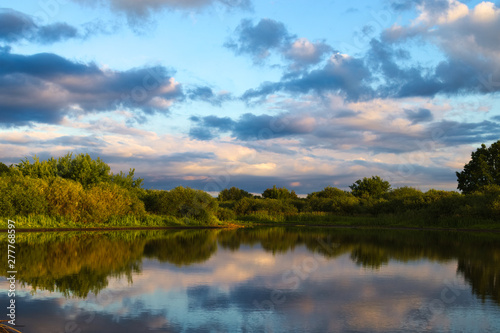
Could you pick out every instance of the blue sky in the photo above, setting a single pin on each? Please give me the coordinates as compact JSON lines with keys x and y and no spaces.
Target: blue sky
{"x":218,"y":93}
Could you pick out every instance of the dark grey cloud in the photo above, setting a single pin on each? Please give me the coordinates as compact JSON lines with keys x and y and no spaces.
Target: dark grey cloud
{"x":453,"y":133}
{"x":342,"y":74}
{"x":45,"y":87}
{"x":419,"y":116}
{"x":16,"y":26}
{"x":249,"y":127}
{"x":56,"y":32}
{"x":259,"y":39}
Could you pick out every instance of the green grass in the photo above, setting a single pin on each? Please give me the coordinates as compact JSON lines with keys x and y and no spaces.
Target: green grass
{"x":408,"y":220}
{"x":57,"y":222}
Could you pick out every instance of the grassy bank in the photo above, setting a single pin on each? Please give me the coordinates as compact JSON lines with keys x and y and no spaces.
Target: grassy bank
{"x":300,"y":219}
{"x":58,"y":222}
{"x":389,"y":220}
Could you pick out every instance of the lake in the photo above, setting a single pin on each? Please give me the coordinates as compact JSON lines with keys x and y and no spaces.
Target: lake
{"x":256,"y":280}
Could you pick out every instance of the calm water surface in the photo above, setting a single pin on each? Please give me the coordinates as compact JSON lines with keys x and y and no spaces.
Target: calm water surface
{"x":257,"y":280}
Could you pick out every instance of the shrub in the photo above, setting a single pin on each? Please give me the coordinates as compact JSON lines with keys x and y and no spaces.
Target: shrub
{"x":104,"y":200}
{"x":188,"y":203}
{"x":64,"y":198}
{"x":224,"y":214}
{"x":22,"y":196}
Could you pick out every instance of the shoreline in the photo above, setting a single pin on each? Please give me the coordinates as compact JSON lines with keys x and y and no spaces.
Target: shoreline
{"x":271,"y":224}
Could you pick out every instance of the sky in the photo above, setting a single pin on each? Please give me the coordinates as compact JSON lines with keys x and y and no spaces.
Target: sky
{"x":212,"y":94}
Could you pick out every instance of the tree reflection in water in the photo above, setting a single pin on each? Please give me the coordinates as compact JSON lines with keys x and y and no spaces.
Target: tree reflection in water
{"x":79,"y":263}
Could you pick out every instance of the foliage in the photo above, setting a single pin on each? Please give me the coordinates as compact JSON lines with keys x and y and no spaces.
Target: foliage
{"x":332,"y":200}
{"x":4,"y":170}
{"x":81,"y":168}
{"x":76,"y":191}
{"x":64,"y":198}
{"x":279,"y":193}
{"x":184,"y":202}
{"x":104,"y":200}
{"x":127,"y":181}
{"x":374,"y":187}
{"x":22,"y":196}
{"x":328,"y":192}
{"x":225,"y":214}
{"x":269,"y":206}
{"x":233,"y":194}
{"x":483,"y":169}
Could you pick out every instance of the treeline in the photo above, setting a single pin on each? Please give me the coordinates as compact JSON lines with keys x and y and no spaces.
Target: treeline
{"x":371,"y":197}
{"x":80,"y":189}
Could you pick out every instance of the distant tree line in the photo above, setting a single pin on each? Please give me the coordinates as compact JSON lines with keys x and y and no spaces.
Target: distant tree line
{"x":81,"y":189}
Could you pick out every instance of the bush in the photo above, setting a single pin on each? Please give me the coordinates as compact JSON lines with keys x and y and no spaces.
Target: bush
{"x":104,"y":200}
{"x":188,"y":203}
{"x":374,"y":187}
{"x":224,"y":214}
{"x":22,"y":196}
{"x":233,"y":194}
{"x":64,"y":198}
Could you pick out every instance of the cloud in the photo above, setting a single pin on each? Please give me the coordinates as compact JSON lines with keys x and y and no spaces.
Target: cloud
{"x":250,"y":127}
{"x":258,"y":40}
{"x":302,"y":52}
{"x":16,"y":26}
{"x":261,"y":39}
{"x":341,"y":74}
{"x":137,"y":11}
{"x":206,"y":94}
{"x":45,"y":87}
{"x":422,"y":115}
{"x":468,"y":39}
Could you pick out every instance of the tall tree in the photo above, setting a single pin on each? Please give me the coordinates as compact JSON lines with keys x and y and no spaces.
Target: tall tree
{"x":233,"y":193}
{"x":279,"y":193}
{"x":483,"y":169}
{"x":373,"y":187}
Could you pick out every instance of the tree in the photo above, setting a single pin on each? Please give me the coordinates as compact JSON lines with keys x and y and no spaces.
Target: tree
{"x":4,"y":170}
{"x":328,"y":193}
{"x":80,"y":167}
{"x":279,"y":193}
{"x":233,"y":194}
{"x":483,"y":169}
{"x":374,"y":187}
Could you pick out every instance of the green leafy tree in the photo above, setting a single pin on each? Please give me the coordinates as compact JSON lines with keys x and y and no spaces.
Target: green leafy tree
{"x":182,"y":202}
{"x":279,"y":193}
{"x":83,"y":169}
{"x":4,"y":170}
{"x":328,"y":192}
{"x":233,"y":194}
{"x":483,"y":169}
{"x":22,"y":196}
{"x":38,"y":169}
{"x":127,"y":181}
{"x":374,"y":187}
{"x":64,"y":198}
